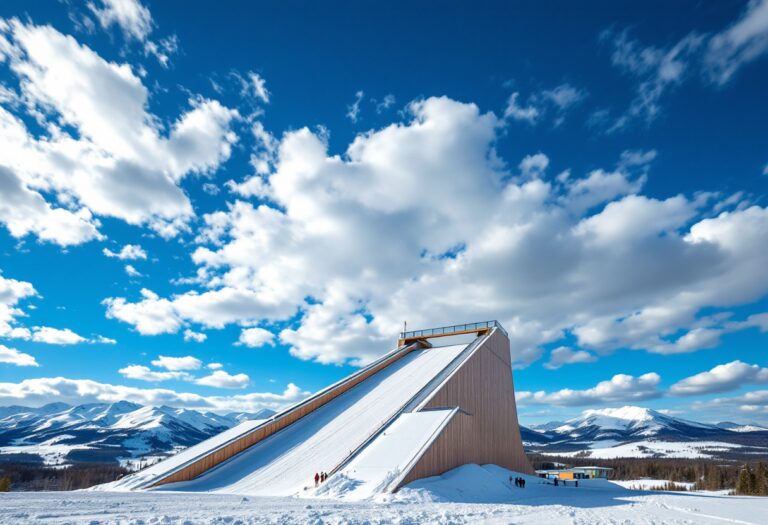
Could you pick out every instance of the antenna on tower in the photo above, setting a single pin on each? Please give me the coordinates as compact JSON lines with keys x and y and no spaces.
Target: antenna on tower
{"x":405,"y":326}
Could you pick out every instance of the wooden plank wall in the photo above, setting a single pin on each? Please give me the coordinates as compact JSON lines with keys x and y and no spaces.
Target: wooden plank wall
{"x":205,"y":463}
{"x":489,"y":431}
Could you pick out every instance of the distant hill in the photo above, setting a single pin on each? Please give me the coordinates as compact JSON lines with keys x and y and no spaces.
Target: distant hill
{"x":58,"y":433}
{"x":641,"y":432}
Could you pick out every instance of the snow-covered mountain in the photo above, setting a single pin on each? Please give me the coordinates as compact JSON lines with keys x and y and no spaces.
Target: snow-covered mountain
{"x":632,"y":431}
{"x":58,"y":433}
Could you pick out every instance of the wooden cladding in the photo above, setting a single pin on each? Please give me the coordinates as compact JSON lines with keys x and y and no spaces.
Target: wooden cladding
{"x":269,"y":428}
{"x":487,"y":431}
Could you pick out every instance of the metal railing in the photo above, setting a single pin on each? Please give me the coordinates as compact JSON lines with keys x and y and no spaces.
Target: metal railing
{"x":468,"y":327}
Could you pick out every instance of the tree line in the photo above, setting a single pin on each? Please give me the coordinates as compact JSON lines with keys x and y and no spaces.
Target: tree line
{"x":26,"y":477}
{"x":744,"y":479}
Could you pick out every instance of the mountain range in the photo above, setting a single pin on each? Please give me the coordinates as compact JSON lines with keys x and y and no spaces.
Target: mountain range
{"x":632,"y":431}
{"x":58,"y":433}
{"x":61,"y":434}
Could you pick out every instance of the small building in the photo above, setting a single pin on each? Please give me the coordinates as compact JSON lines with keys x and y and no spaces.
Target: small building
{"x":575,"y":473}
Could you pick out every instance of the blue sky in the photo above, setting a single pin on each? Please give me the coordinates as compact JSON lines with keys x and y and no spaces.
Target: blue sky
{"x":228,"y":208}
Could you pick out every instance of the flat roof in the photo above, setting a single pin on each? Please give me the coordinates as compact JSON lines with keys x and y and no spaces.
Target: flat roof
{"x":572,"y":469}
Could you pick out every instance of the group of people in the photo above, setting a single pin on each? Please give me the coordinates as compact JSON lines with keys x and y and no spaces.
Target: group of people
{"x":320,"y":478}
{"x":519,"y":482}
{"x":565,"y":483}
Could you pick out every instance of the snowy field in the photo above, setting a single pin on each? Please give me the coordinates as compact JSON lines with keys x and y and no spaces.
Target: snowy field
{"x":469,"y":494}
{"x":608,"y":449}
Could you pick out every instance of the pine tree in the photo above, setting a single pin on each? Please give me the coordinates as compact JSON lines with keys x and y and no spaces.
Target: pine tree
{"x":743,"y":485}
{"x":5,"y":484}
{"x":760,"y":487}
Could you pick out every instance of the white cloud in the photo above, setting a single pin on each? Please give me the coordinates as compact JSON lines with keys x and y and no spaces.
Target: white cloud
{"x":619,"y":389}
{"x":255,"y":337}
{"x":221,"y":379}
{"x":387,"y":102}
{"x":657,"y":70}
{"x":37,"y":392}
{"x":127,"y":252}
{"x":176,"y":364}
{"x":421,"y":221}
{"x":14,"y":357}
{"x":515,"y":111}
{"x":565,"y":356}
{"x":150,"y":316}
{"x":118,"y":161}
{"x":130,"y":15}
{"x":259,"y":87}
{"x":556,"y":101}
{"x":755,"y":402}
{"x":24,"y":211}
{"x":143,"y":373}
{"x":131,"y":271}
{"x":197,"y":337}
{"x":563,"y":96}
{"x":55,"y":336}
{"x":11,"y":293}
{"x":214,"y":366}
{"x":353,"y":110}
{"x":534,"y":165}
{"x":721,"y":378}
{"x":742,"y":42}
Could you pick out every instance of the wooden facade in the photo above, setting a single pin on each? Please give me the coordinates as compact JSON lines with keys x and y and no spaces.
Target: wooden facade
{"x":279,"y":422}
{"x":486,"y":430}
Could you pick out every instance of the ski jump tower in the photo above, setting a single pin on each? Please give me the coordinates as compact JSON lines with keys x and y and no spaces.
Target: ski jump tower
{"x":418,"y":411}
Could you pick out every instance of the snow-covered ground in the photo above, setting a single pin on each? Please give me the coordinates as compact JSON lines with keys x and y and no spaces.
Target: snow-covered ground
{"x":469,"y":494}
{"x":651,"y":484}
{"x":649,"y":448}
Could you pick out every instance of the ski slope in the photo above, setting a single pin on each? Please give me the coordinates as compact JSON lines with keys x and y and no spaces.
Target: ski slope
{"x":285,"y":463}
{"x":382,"y":464}
{"x":165,"y":467}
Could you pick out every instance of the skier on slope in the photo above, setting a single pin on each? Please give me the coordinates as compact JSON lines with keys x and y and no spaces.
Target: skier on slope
{"x":317,"y":478}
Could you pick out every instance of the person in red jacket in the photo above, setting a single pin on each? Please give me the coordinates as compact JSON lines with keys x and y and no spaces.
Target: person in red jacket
{"x":317,"y":478}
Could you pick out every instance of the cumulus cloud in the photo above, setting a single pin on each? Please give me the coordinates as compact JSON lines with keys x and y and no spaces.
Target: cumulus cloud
{"x":565,"y":356}
{"x":197,"y":337}
{"x":118,"y":160}
{"x":221,"y":379}
{"x":421,"y":220}
{"x":55,"y":336}
{"x":255,"y":337}
{"x":176,"y":364}
{"x":620,"y":388}
{"x":12,"y":292}
{"x":14,"y":357}
{"x":144,"y":373}
{"x":752,"y":403}
{"x":128,"y":252}
{"x":131,"y":271}
{"x":722,"y":378}
{"x":37,"y":392}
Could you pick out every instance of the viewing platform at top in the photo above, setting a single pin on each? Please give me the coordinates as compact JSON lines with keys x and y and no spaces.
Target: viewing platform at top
{"x":481,"y":328}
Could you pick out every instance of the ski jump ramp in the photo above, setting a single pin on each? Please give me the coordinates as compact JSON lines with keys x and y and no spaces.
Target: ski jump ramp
{"x":417,"y":411}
